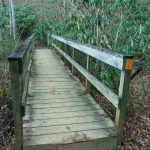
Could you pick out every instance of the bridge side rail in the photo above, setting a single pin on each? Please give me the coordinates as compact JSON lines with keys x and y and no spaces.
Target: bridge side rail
{"x":122,"y":62}
{"x":19,"y":65}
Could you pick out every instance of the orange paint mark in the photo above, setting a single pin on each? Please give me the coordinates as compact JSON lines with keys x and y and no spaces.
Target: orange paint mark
{"x":129,"y":64}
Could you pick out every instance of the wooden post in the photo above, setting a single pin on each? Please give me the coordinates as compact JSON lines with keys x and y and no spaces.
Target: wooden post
{"x":65,"y":50}
{"x":73,"y":56}
{"x":16,"y":102}
{"x":65,"y":8}
{"x":47,"y":33}
{"x":47,"y":39}
{"x":87,"y":84}
{"x":12,"y":18}
{"x":124,"y":98}
{"x":1,"y":9}
{"x":60,"y":46}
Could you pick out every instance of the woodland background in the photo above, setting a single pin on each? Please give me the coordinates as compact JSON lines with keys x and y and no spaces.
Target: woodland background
{"x":118,"y":25}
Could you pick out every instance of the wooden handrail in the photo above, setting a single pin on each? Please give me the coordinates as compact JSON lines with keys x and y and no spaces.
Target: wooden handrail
{"x":109,"y":57}
{"x":19,"y":65}
{"x":120,"y":61}
{"x":20,"y":52}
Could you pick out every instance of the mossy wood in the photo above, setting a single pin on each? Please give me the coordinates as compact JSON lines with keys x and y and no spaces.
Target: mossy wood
{"x":19,"y":64}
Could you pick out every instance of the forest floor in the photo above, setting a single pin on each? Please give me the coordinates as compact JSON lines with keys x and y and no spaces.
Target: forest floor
{"x":136,"y":129}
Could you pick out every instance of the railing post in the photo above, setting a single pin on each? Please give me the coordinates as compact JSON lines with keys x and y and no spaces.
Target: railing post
{"x":47,"y":41}
{"x":72,"y":67}
{"x":16,"y":102}
{"x":124,"y":98}
{"x":87,"y":84}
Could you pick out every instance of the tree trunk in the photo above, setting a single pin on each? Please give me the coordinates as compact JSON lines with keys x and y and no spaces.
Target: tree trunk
{"x":1,"y":7}
{"x":12,"y":19}
{"x":65,"y":8}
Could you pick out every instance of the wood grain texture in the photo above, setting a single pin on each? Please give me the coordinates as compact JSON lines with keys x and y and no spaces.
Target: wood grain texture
{"x":16,"y":103}
{"x":109,"y":57}
{"x":60,"y":114}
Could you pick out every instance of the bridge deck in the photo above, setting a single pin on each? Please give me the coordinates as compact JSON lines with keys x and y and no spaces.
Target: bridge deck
{"x":60,"y":115}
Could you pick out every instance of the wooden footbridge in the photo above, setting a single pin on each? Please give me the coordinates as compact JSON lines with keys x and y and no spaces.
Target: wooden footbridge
{"x":52,"y":110}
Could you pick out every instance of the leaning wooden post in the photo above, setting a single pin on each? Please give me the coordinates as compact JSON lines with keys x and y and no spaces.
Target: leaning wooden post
{"x":124,"y":97}
{"x":87,"y":84}
{"x":16,"y":102}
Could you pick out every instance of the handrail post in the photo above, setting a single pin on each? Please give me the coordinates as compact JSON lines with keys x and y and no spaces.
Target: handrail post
{"x":73,"y":56}
{"x":124,"y":98}
{"x":87,"y":84}
{"x":16,"y":102}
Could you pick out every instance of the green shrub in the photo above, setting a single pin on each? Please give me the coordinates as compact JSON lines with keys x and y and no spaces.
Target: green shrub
{"x":25,"y":19}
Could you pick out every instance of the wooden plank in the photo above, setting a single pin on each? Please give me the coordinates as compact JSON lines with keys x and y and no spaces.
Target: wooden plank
{"x":66,"y":138}
{"x":56,"y":95}
{"x":53,"y":88}
{"x":49,"y":90}
{"x":56,"y":115}
{"x":107,"y":56}
{"x":49,"y":68}
{"x":111,"y":96}
{"x":105,"y":143}
{"x":45,"y":70}
{"x":90,"y":109}
{"x":56,"y":100}
{"x":102,"y":124}
{"x":75,"y":100}
{"x":64,"y":94}
{"x":56,"y":105}
{"x":56,"y":85}
{"x":52,"y":80}
{"x":59,"y":102}
{"x":62,"y":121}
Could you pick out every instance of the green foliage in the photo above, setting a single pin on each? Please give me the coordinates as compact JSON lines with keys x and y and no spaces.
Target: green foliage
{"x":40,"y":31}
{"x":122,"y":26}
{"x":6,"y":47}
{"x":25,"y":18}
{"x":4,"y":18}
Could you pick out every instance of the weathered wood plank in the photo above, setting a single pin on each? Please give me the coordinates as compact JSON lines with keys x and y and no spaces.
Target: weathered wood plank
{"x":67,"y":138}
{"x":99,"y":143}
{"x":62,"y":110}
{"x":62,"y":121}
{"x":56,"y":105}
{"x":107,"y":56}
{"x":57,"y":102}
{"x":55,"y":96}
{"x":42,"y":116}
{"x":57,"y":85}
{"x":102,"y":124}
